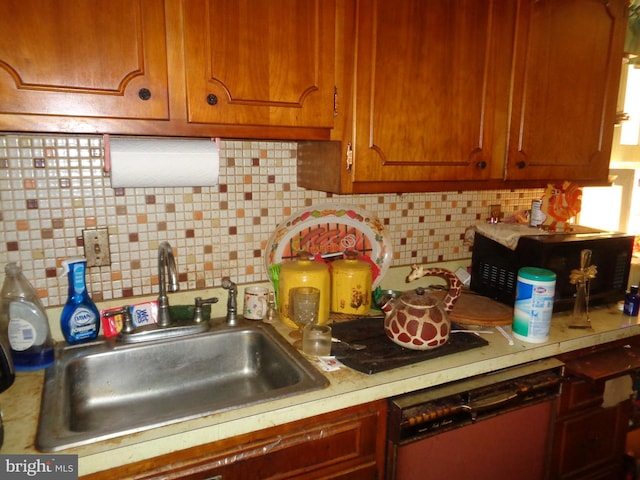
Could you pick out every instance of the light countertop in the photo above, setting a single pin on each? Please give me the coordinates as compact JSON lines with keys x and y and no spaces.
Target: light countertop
{"x":20,"y":403}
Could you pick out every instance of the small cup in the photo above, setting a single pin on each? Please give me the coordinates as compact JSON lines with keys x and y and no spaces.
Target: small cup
{"x":255,"y":302}
{"x":316,"y":340}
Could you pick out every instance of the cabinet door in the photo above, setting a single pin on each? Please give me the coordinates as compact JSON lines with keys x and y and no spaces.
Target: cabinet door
{"x":74,"y":58}
{"x":566,"y":73}
{"x":347,"y":444}
{"x":589,"y":442}
{"x":431,"y":88}
{"x":260,"y":62}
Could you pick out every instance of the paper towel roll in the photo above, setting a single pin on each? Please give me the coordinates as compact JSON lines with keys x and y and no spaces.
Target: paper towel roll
{"x":160,"y":162}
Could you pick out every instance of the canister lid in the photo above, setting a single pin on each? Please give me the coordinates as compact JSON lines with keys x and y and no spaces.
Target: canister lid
{"x":351,"y":262}
{"x":304,"y":264}
{"x":535,"y":273}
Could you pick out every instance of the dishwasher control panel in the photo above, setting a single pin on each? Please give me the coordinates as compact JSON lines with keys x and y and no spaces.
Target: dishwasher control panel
{"x":453,"y":405}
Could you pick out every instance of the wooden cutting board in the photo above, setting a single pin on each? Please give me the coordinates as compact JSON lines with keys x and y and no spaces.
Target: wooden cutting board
{"x":472,"y":309}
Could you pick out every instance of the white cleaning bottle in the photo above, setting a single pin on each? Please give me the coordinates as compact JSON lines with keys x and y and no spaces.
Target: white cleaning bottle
{"x":80,"y":319}
{"x":24,"y":319}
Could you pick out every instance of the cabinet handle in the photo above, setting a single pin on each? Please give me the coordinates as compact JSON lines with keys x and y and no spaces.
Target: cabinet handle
{"x":212,"y":99}
{"x":144,"y":94}
{"x":521,"y":164}
{"x":481,"y":165}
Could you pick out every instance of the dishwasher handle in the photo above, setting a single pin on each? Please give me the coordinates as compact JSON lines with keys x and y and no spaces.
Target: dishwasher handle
{"x":490,"y":402}
{"x":545,"y":385}
{"x":449,"y":409}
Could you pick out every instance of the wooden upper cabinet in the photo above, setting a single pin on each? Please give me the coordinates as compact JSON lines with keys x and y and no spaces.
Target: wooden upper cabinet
{"x":470,"y":94}
{"x":260,"y":62}
{"x":431,"y":89}
{"x":84,"y":58}
{"x":566,"y":71}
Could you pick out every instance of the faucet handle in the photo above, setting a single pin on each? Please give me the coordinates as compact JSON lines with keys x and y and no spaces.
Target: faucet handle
{"x":127,"y":321}
{"x":197,"y":312}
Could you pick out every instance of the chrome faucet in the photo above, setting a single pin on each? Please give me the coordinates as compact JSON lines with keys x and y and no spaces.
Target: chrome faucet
{"x":164,"y":327}
{"x":166,"y":260}
{"x":227,"y":284}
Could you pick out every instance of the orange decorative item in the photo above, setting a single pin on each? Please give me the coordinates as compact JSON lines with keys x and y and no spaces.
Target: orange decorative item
{"x":351,"y":285}
{"x":559,"y":204}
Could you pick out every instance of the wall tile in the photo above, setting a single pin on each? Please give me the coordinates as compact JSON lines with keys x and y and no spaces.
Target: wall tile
{"x":52,"y":187}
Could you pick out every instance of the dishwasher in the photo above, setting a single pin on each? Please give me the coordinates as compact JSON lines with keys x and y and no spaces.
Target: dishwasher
{"x":489,"y":426}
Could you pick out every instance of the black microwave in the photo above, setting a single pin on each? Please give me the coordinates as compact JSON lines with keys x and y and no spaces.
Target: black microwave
{"x":494,"y":267}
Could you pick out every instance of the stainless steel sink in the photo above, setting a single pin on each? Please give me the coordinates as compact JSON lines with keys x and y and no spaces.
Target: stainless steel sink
{"x":104,"y":390}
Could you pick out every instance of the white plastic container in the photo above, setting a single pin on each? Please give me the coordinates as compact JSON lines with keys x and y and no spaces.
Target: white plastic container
{"x":537,"y":217}
{"x":533,"y":307}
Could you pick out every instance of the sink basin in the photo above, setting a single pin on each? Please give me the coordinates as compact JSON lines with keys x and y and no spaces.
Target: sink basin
{"x":105,"y":390}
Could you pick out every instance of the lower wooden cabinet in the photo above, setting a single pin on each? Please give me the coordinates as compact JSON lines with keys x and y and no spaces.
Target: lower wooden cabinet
{"x":590,"y":437}
{"x":347,"y":444}
{"x":589,"y":441}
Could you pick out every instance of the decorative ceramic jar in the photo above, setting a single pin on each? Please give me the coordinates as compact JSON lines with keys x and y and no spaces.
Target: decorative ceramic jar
{"x":304,"y":272}
{"x":351,"y":285}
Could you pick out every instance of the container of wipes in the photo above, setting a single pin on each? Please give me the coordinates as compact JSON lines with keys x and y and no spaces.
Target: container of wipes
{"x":533,"y":307}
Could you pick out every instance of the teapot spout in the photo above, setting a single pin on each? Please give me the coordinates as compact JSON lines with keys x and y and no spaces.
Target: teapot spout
{"x":388,"y":306}
{"x":387,"y":302}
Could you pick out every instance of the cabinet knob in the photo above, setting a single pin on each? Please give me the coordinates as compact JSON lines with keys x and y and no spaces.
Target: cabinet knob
{"x":212,"y":99}
{"x":144,"y":94}
{"x":481,"y":165}
{"x":521,"y":164}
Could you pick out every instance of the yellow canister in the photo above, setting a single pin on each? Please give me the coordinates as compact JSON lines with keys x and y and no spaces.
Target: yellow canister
{"x":351,"y":285}
{"x":304,"y":272}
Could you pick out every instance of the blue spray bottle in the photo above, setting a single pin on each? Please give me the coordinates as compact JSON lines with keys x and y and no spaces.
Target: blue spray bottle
{"x":80,"y":319}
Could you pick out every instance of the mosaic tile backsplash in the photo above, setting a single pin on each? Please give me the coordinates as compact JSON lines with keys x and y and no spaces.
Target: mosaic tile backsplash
{"x":52,"y":187}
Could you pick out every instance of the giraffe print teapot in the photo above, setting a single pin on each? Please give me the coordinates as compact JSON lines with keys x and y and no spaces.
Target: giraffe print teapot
{"x":417,"y":319}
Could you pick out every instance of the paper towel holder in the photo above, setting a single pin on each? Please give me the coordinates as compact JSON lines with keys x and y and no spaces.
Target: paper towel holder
{"x":157,"y":162}
{"x":106,"y":144}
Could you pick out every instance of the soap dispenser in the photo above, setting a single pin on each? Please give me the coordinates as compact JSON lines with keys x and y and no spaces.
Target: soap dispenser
{"x":23,"y":319}
{"x":80,"y":319}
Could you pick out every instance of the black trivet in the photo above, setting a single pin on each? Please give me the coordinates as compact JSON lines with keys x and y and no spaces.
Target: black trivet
{"x":381,"y":353}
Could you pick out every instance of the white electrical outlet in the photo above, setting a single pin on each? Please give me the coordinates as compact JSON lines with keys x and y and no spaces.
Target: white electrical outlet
{"x":96,"y":247}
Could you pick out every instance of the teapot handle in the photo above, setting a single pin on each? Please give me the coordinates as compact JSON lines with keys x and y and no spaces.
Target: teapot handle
{"x":454,"y":284}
